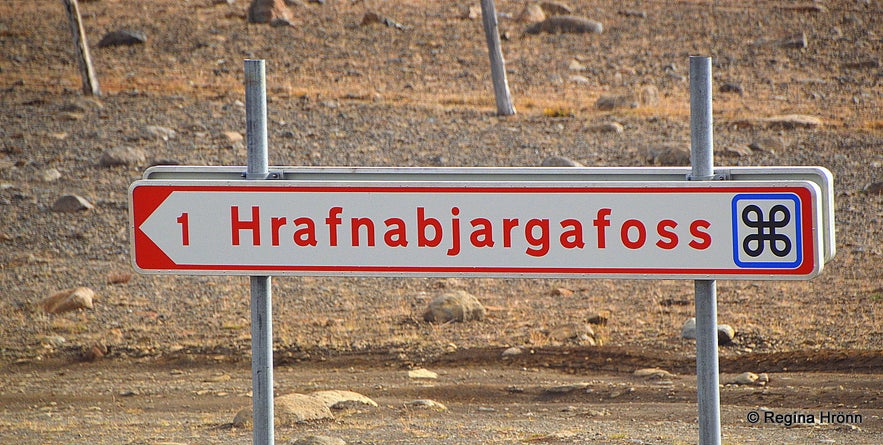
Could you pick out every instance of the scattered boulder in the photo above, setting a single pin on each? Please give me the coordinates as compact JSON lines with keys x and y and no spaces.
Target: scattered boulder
{"x":421,"y":373}
{"x":457,"y":305}
{"x":633,"y":13}
{"x":731,"y":87}
{"x":874,"y":188}
{"x":668,"y":155}
{"x":68,"y":300}
{"x":50,"y":175}
{"x":158,"y":132}
{"x":578,"y":332}
{"x":551,"y":8}
{"x":532,"y":13}
{"x":746,"y":378}
{"x":790,"y":121}
{"x":266,"y":11}
{"x":645,"y":96}
{"x":566,"y":24}
{"x":71,"y":204}
{"x":317,"y":440}
{"x":426,"y":404}
{"x":371,"y":18}
{"x":122,"y":37}
{"x":653,"y":373}
{"x":599,"y":318}
{"x":768,"y":144}
{"x":288,"y":410}
{"x":560,"y":161}
{"x":794,"y":41}
{"x":609,"y":127}
{"x":725,"y":333}
{"x":472,"y":12}
{"x":337,"y":399}
{"x":566,"y":389}
{"x":512,"y":351}
{"x":122,"y":156}
{"x":739,"y":150}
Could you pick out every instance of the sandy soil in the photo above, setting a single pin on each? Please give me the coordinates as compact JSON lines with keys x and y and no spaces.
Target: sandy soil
{"x":345,"y":94}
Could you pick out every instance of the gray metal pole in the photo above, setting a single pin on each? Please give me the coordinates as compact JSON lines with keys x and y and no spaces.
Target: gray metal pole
{"x":261,"y":296}
{"x":498,"y":65}
{"x":702,"y":161}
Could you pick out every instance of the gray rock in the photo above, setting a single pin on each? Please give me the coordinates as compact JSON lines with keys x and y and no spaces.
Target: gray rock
{"x":559,"y":161}
{"x":644,"y":96}
{"x":634,"y":13}
{"x":118,"y":156}
{"x":71,"y":203}
{"x":688,"y":330}
{"x":532,"y":13}
{"x":457,"y":305}
{"x":566,"y":389}
{"x":317,"y":440}
{"x":739,"y":150}
{"x":122,"y":37}
{"x":564,"y":24}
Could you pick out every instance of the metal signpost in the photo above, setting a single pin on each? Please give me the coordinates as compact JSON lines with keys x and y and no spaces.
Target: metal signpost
{"x":761,"y":223}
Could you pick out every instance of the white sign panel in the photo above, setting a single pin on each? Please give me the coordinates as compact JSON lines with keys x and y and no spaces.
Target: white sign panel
{"x":690,"y":230}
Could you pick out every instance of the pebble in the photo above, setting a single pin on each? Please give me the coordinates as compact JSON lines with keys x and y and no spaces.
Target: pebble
{"x":457,"y":305}
{"x":71,"y":203}
{"x":609,"y":127}
{"x":794,"y":41}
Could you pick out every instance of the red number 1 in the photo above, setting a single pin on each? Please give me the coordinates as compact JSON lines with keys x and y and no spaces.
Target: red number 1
{"x":185,"y":229}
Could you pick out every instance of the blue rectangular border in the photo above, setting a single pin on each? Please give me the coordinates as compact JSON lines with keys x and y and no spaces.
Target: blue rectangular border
{"x":798,"y":242}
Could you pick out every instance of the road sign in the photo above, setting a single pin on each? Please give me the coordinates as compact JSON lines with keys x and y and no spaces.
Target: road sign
{"x":394,"y":227}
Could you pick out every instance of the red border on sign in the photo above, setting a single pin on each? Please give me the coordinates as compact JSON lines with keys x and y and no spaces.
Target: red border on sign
{"x":149,"y":257}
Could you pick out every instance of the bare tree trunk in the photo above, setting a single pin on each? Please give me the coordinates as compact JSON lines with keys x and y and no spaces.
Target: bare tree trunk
{"x":498,"y":65}
{"x":84,"y":61}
